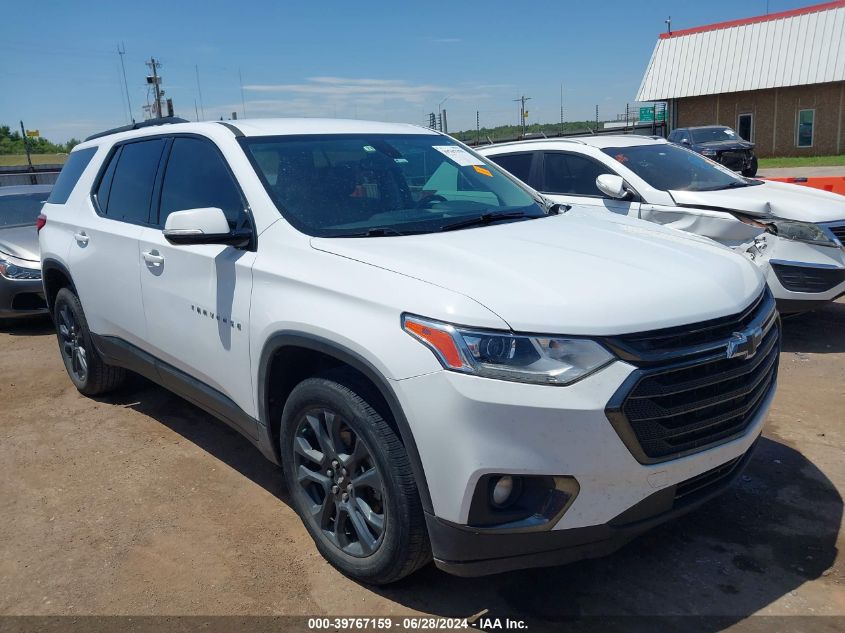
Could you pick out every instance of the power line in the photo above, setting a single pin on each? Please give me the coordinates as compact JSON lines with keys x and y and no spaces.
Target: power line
{"x":199,"y":90}
{"x":243,"y":101}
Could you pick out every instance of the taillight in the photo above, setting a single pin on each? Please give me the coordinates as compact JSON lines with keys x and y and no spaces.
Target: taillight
{"x":40,"y":221}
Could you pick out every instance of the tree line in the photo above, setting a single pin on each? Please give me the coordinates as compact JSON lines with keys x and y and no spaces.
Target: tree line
{"x":11,"y":142}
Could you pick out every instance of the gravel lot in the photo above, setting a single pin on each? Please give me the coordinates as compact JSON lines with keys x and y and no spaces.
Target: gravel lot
{"x":140,"y":503}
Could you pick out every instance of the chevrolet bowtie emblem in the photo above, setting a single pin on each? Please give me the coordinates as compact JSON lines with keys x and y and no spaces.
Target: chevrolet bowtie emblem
{"x":744,"y":344}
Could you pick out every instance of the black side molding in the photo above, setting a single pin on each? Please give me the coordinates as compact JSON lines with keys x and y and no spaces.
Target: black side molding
{"x":122,"y":354}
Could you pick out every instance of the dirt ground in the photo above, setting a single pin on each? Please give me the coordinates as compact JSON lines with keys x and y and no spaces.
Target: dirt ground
{"x":140,"y":503}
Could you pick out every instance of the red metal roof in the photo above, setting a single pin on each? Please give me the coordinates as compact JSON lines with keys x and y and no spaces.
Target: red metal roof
{"x":760,"y":18}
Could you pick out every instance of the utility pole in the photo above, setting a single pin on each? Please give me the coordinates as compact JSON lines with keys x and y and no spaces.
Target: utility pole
{"x":32,"y":178}
{"x":522,"y":112}
{"x":155,"y":80}
{"x":561,"y":109}
{"x":477,"y":128}
{"x":440,"y":115}
{"x":121,"y":50}
{"x":597,"y":117}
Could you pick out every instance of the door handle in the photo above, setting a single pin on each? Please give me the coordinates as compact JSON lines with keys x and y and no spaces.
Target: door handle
{"x":81,"y":238}
{"x":153,"y":258}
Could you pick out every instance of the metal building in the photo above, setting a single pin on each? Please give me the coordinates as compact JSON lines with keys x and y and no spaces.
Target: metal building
{"x":778,"y":79}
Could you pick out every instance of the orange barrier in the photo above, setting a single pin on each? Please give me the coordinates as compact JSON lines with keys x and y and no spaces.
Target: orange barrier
{"x":835,"y":184}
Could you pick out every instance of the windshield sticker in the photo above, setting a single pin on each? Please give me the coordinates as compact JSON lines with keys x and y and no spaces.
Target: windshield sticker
{"x":369,"y":148}
{"x":400,"y":160}
{"x":458,"y":155}
{"x":483,"y":170}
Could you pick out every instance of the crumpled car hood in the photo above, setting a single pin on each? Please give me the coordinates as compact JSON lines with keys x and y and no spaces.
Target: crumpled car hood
{"x":725,"y":145}
{"x":770,"y":200}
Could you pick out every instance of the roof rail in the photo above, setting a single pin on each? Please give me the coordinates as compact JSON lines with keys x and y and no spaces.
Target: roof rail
{"x":165,"y":120}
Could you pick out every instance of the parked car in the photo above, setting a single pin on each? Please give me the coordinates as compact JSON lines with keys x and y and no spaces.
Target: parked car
{"x":440,"y":366}
{"x":794,"y":234}
{"x":719,"y":143}
{"x":21,"y":291}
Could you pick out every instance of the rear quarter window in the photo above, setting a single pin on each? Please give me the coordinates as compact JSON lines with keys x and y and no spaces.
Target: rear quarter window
{"x":126,"y":188}
{"x":517,"y":164}
{"x":69,"y":176}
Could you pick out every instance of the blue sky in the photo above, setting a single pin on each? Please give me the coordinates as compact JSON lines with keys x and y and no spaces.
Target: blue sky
{"x":60,"y":72}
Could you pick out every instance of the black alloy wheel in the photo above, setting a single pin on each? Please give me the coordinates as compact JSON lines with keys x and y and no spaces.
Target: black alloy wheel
{"x":72,"y":343}
{"x":340,"y":481}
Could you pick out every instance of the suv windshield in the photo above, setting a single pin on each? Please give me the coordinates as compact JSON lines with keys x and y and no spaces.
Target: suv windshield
{"x":713,"y":134}
{"x":21,"y":209}
{"x":665,"y":166}
{"x":375,"y":185}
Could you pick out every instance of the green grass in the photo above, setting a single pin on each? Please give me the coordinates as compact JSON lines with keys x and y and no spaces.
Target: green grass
{"x":10,"y":160}
{"x":802,"y":161}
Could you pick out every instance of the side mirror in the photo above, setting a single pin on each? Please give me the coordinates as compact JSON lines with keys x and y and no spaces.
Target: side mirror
{"x":207,"y":225}
{"x":612,"y":185}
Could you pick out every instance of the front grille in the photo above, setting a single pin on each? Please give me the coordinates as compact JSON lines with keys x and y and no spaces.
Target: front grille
{"x":696,"y":386}
{"x":733,"y":160}
{"x":839,"y":232}
{"x":808,"y":279}
{"x":698,"y":486}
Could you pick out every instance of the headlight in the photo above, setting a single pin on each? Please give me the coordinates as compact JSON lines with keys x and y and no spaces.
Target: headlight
{"x":546,"y":360}
{"x":708,"y":152}
{"x":10,"y":270}
{"x":801,"y":232}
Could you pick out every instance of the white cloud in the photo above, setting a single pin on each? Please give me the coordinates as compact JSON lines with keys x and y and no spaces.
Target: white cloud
{"x":362,"y":89}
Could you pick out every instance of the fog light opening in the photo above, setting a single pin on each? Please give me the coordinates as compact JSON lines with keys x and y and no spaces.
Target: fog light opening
{"x":505,"y":491}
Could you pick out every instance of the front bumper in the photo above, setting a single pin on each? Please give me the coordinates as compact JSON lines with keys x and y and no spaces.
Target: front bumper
{"x":21,"y":298}
{"x":801,"y":276}
{"x":467,"y":427}
{"x":465,"y":552}
{"x":737,"y":160}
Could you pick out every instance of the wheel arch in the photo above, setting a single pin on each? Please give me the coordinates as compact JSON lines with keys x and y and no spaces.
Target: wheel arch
{"x":320,"y":351}
{"x":55,"y":276}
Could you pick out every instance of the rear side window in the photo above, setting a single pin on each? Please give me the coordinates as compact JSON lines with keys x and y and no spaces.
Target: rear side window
{"x":126,"y":188}
{"x":197,"y":177}
{"x":69,"y":176}
{"x":517,"y":164}
{"x":569,"y":173}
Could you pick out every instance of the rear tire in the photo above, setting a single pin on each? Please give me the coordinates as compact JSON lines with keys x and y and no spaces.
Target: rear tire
{"x":85,"y":367}
{"x":350,"y":481}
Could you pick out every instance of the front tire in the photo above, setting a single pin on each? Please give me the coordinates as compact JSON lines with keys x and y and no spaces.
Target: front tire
{"x":87,"y":371}
{"x":751,"y":170}
{"x":351,"y":481}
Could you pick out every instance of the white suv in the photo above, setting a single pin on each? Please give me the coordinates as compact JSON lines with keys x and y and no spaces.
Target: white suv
{"x":440,"y":367}
{"x":794,"y":234}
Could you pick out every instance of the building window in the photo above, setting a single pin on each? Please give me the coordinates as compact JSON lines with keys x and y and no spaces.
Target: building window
{"x":804,"y":129}
{"x":745,"y":126}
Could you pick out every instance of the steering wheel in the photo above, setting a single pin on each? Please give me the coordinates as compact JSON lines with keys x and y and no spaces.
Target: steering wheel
{"x":425,"y":201}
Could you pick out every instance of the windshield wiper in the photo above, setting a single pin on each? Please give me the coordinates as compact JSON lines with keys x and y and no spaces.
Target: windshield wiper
{"x":483,"y":219}
{"x":378,"y":231}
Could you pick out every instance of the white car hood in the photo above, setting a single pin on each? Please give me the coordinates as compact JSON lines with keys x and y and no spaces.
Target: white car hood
{"x":572,"y":274}
{"x":771,"y":199}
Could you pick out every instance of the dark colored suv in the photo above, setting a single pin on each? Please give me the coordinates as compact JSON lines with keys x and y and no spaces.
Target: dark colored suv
{"x":720,"y":143}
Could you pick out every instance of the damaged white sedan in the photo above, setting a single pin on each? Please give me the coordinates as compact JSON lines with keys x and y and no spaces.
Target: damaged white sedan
{"x":795,"y":234}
